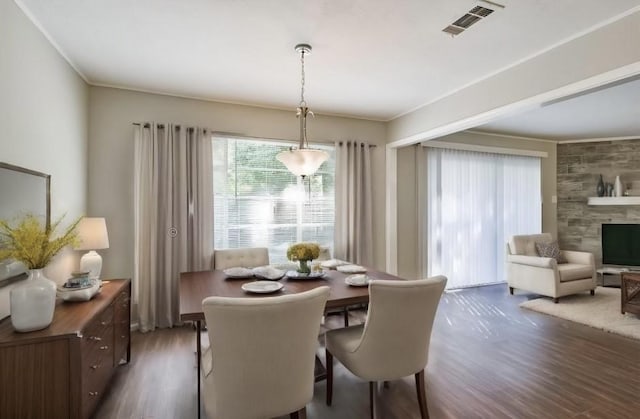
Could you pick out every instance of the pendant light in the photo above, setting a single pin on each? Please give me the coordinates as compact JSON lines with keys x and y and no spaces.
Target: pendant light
{"x":303,"y":161}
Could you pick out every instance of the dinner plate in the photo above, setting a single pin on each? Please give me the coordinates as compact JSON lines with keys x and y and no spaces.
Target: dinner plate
{"x":358,"y":280}
{"x":352,"y":269}
{"x":238,"y":272}
{"x":262,"y":287}
{"x":333,"y":263}
{"x":268,"y":272}
{"x":298,"y":275}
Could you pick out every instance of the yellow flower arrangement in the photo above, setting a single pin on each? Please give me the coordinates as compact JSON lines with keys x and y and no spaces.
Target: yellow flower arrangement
{"x":33,"y":244}
{"x":303,"y":252}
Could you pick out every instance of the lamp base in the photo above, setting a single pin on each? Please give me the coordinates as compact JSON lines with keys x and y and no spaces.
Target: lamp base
{"x":92,"y":262}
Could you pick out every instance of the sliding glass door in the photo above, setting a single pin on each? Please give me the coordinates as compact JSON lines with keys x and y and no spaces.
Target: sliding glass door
{"x":474,"y":202}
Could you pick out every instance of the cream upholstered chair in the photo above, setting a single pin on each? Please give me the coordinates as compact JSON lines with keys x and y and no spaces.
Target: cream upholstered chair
{"x":394,"y":340}
{"x":261,"y":358}
{"x":248,"y":257}
{"x":528,"y":271}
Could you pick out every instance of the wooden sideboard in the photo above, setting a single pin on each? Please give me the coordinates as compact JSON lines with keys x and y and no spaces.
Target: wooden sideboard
{"x":62,"y":371}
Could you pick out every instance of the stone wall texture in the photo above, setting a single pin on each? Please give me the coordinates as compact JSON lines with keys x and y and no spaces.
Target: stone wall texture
{"x":579,"y":168}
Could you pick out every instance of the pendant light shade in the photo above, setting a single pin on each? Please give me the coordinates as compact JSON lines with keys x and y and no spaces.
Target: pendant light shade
{"x":303,"y":161}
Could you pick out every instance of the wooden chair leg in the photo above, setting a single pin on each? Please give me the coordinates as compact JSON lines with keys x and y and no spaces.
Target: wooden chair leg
{"x":511,"y":290}
{"x":329,"y":367}
{"x":346,"y":316}
{"x":300,"y":414}
{"x":593,"y":292}
{"x":422,"y":398}
{"x":555,"y":300}
{"x":373,"y":388}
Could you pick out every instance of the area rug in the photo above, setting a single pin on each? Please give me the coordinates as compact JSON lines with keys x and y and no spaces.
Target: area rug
{"x":601,"y":311}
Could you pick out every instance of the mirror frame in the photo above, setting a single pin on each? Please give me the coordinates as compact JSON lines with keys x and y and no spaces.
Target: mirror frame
{"x":47,"y":180}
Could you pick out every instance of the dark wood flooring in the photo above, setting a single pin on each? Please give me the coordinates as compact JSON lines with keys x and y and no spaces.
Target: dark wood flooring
{"x":488,"y":359}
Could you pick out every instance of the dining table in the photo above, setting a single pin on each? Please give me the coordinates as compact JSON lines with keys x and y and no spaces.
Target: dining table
{"x":196,"y":286}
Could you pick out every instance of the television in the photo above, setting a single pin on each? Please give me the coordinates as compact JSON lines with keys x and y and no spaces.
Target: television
{"x":621,"y":244}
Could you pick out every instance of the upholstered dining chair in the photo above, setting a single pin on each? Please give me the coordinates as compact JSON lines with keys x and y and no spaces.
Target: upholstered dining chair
{"x":394,"y":340}
{"x":261,"y":358}
{"x":247,"y":257}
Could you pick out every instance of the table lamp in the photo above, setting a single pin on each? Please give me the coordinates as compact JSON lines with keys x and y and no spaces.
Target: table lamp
{"x":92,"y":232}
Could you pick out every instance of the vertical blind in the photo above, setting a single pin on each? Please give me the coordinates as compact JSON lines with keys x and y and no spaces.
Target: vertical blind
{"x":475,"y":202}
{"x":259,"y":203}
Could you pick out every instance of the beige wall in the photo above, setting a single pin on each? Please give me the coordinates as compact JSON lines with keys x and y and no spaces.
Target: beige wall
{"x":112,"y":112}
{"x":43,"y":115}
{"x":408,"y":258}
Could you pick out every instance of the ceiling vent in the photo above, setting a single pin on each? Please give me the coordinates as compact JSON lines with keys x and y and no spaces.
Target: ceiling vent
{"x":471,"y":17}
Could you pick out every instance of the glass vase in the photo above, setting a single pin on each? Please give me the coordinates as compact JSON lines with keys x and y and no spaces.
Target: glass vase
{"x":304,"y":267}
{"x":33,"y":302}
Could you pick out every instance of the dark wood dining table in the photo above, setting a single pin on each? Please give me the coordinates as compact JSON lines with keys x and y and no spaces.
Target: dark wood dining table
{"x":196,"y":286}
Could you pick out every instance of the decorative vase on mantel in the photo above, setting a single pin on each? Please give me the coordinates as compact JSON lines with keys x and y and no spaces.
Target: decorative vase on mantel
{"x":600,"y":187}
{"x":617,"y":186}
{"x":304,"y":267}
{"x":33,"y":302}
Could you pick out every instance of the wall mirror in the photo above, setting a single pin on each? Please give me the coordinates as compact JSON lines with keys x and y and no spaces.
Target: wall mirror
{"x":22,"y":191}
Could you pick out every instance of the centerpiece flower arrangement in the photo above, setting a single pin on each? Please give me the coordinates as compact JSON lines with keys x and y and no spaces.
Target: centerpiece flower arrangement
{"x":303,"y":253}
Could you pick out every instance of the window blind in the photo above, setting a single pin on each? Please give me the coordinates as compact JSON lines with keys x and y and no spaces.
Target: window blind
{"x":259,"y":203}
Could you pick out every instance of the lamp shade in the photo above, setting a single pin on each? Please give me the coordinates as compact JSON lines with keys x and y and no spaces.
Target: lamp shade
{"x":303,"y":162}
{"x":92,"y":232}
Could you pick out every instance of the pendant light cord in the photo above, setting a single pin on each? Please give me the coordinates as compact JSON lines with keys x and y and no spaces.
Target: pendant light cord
{"x":302,"y":80}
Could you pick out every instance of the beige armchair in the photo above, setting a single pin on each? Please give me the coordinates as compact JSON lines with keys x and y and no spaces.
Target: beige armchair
{"x":527,"y":271}
{"x":249,"y":257}
{"x":261,"y":358}
{"x":394,"y":340}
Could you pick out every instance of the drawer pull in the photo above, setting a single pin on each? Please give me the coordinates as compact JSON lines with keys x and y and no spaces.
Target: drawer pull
{"x":93,"y":393}
{"x":123,"y":337}
{"x":104,"y":323}
{"x":94,"y":367}
{"x":96,"y":338}
{"x":104,"y":347}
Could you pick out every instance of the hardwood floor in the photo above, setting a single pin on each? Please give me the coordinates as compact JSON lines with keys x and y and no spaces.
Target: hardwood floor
{"x":488,"y":359}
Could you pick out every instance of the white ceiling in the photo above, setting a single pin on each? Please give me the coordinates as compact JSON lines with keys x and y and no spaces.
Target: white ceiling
{"x":609,"y":112}
{"x":374,"y":59}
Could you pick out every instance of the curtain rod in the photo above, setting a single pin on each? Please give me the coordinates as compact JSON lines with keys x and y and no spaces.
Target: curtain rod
{"x":235,"y":135}
{"x":361,"y":144}
{"x":160,"y":125}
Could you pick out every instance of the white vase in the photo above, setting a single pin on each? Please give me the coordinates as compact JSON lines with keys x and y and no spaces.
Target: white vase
{"x":33,"y":302}
{"x":617,"y":187}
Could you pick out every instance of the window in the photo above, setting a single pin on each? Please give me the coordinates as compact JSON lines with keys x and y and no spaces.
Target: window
{"x":259,"y":203}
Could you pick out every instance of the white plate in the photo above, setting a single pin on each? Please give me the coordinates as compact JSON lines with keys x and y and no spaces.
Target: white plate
{"x":262,"y":287}
{"x":352,"y":269}
{"x":268,"y":272}
{"x":358,"y":280}
{"x":238,"y":273}
{"x":333,"y":263}
{"x":298,"y":275}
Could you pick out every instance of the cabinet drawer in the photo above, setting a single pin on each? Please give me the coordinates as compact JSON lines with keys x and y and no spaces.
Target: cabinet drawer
{"x":97,"y":366}
{"x":122,"y":309}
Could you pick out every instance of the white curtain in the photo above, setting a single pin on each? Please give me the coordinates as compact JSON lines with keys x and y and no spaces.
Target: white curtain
{"x":474,"y":202}
{"x":173,"y":215}
{"x":354,"y":222}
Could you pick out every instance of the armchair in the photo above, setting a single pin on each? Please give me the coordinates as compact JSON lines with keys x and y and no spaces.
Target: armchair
{"x":528,"y":271}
